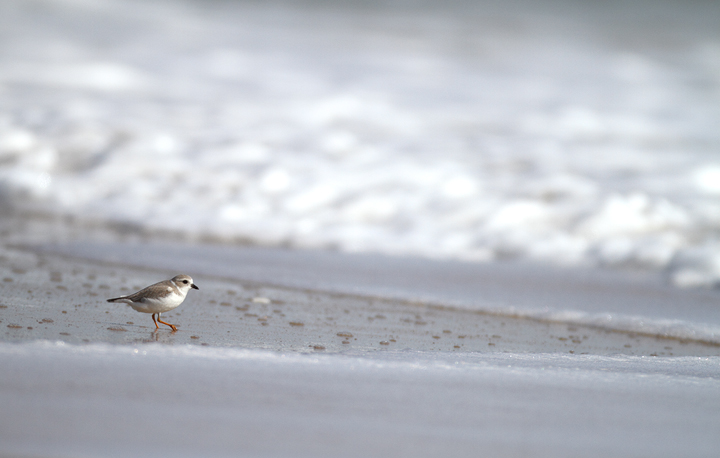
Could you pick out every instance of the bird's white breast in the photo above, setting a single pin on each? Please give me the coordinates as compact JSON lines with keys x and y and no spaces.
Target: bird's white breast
{"x":159,"y":305}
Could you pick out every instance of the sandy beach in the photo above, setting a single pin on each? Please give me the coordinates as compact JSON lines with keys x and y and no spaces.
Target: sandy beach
{"x":61,"y":297}
{"x":267,"y":369}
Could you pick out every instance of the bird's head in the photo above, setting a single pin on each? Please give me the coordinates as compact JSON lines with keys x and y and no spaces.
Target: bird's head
{"x":184,"y":282}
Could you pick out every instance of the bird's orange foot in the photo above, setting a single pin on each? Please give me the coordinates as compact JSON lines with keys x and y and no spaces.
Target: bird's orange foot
{"x":174,"y":328}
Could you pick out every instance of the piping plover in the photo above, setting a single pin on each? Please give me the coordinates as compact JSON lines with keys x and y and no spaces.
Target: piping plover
{"x":160,"y":297}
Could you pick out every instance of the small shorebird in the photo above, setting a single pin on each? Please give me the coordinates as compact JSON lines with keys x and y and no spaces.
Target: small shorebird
{"x":160,"y":297}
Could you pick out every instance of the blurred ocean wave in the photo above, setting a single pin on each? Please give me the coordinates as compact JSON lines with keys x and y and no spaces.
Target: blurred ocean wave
{"x":564,"y":132}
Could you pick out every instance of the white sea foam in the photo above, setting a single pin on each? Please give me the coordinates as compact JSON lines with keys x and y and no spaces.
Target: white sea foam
{"x":383,"y":129}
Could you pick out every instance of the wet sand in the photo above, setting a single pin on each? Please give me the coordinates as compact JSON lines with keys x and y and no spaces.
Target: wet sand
{"x":56,"y":297}
{"x":268,"y":368}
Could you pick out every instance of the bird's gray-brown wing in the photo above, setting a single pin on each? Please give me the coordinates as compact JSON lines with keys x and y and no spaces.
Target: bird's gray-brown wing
{"x":158,"y":290}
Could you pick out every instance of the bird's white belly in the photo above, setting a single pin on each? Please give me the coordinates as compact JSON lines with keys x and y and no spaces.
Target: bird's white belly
{"x":158,"y":305}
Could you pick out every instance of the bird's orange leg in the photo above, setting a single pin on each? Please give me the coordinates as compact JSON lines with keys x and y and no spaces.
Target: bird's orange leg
{"x":174,"y":328}
{"x":156,"y":325}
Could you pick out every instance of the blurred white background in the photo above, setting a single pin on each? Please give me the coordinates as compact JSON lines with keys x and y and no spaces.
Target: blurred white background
{"x":570,"y":132}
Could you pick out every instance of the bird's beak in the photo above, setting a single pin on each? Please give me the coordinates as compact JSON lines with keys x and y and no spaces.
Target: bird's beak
{"x":193,"y":286}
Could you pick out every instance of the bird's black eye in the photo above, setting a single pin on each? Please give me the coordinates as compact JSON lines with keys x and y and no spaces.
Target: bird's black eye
{"x":185,"y":281}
